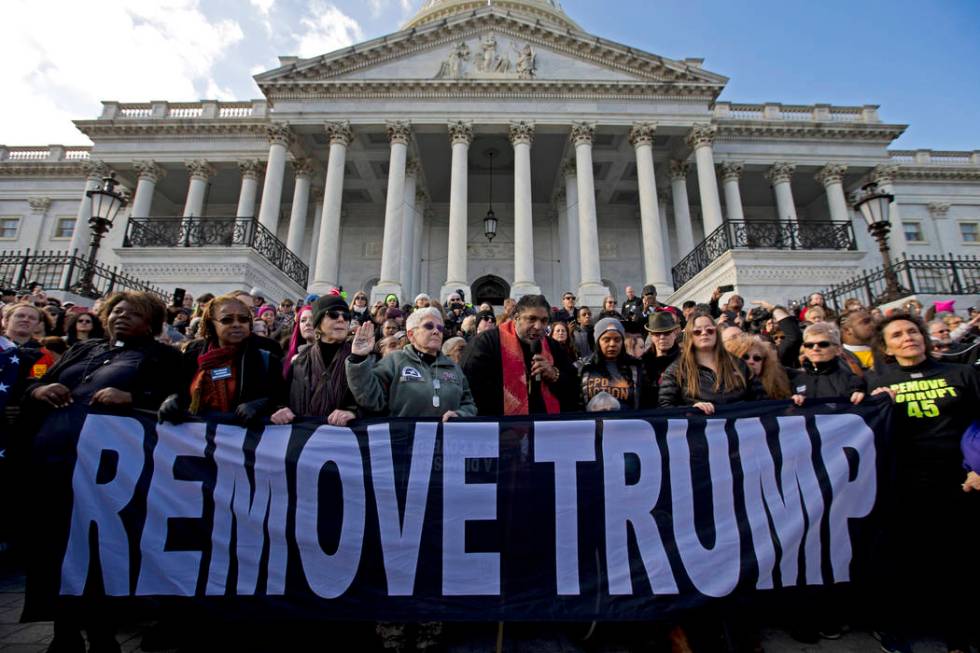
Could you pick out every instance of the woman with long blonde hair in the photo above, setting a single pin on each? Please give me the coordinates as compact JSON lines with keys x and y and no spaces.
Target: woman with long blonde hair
{"x":705,"y":375}
{"x":761,"y":359}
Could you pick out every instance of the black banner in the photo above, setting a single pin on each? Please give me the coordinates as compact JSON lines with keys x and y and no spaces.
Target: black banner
{"x":579,"y":518}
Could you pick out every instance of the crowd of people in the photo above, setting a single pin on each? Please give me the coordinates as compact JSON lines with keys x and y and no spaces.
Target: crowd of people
{"x":242,"y":358}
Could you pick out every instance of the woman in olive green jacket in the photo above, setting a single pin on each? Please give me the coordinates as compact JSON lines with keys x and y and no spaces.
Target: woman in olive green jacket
{"x":417,"y":381}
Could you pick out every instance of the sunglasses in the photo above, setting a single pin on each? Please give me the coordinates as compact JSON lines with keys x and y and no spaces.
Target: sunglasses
{"x":823,"y":344}
{"x":569,"y":297}
{"x":336,"y":315}
{"x":753,"y":357}
{"x":488,"y":318}
{"x":231,"y":319}
{"x":432,"y":326}
{"x":708,"y":331}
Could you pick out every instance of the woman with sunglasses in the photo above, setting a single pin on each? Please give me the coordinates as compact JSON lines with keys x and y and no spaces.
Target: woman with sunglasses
{"x":931,"y":526}
{"x":705,"y":375}
{"x":824,"y":374}
{"x":317,"y":381}
{"x":359,"y":308}
{"x":417,"y":381}
{"x":760,"y":357}
{"x":226,"y":370}
{"x":83,"y":326}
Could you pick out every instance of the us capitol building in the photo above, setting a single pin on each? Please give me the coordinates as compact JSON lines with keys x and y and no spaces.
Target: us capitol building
{"x":375,"y":167}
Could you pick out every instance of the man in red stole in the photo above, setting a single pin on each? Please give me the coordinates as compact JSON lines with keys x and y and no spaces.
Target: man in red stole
{"x":517,"y":369}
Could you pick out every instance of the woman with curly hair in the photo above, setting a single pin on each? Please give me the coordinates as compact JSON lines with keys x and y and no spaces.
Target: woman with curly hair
{"x":80,"y":327}
{"x":761,"y":359}
{"x":705,"y":375}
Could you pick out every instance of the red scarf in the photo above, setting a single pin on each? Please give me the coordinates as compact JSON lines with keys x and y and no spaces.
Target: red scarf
{"x":516,"y":389}
{"x":208,"y":393}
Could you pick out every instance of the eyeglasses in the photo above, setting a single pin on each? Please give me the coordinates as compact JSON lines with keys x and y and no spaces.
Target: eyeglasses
{"x":823,"y":344}
{"x":777,"y":338}
{"x":569,"y":297}
{"x":708,"y":331}
{"x":336,"y":315}
{"x":753,"y":357}
{"x":231,"y":319}
{"x":432,"y":326}
{"x":488,"y":318}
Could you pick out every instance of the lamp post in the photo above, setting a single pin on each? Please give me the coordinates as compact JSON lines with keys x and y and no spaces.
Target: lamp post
{"x":490,"y":220}
{"x":106,"y":203}
{"x":875,"y":206}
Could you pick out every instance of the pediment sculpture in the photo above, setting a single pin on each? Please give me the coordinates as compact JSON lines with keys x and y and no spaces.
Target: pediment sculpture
{"x":488,"y":63}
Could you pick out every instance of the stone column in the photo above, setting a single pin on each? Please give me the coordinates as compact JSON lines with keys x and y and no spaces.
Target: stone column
{"x":521,"y":137}
{"x":279,"y":139}
{"x":311,"y":251}
{"x":779,"y":176}
{"x":682,"y":208}
{"x":399,"y":133}
{"x":303,"y":171}
{"x":832,"y":178}
{"x":250,"y":187}
{"x":327,"y":271}
{"x":559,"y":209}
{"x":95,"y":171}
{"x":200,"y":171}
{"x":148,"y":174}
{"x":701,"y":139}
{"x":415,"y":273}
{"x":574,"y":254}
{"x":731,"y":172}
{"x":460,"y":135}
{"x":884,"y":176}
{"x":591,"y":291}
{"x":656,"y":264}
{"x":407,"y":237}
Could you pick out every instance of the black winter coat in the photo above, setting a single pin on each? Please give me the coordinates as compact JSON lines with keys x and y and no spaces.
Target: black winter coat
{"x":825,"y":380}
{"x":672,"y":392}
{"x":259,"y":374}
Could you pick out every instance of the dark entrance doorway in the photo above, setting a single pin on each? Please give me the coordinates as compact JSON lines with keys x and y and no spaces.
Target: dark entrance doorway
{"x":490,"y":289}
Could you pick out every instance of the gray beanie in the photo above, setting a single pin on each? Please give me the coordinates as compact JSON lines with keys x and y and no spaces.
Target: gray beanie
{"x":609,"y":324}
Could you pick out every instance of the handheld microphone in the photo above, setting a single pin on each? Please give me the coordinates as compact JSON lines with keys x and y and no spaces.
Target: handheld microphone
{"x":535,"y":350}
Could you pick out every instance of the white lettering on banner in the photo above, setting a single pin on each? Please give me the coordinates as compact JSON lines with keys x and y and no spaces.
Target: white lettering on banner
{"x":715,"y":570}
{"x":329,"y":575}
{"x":467,"y":574}
{"x":852,"y":498}
{"x":100,"y":503}
{"x":767,"y":498}
{"x":806,"y":478}
{"x":401,"y":538}
{"x":162,"y":572}
{"x":565,"y":444}
{"x":633,"y":504}
{"x":255,"y":509}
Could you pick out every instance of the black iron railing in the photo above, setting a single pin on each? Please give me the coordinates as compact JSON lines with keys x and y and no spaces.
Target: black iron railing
{"x":216,"y":232}
{"x":763,"y":234}
{"x":924,"y":275}
{"x":66,"y":271}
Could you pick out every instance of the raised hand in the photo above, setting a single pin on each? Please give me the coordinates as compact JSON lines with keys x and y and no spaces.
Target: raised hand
{"x":363,"y":343}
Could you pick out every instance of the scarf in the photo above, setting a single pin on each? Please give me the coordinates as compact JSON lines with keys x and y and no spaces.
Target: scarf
{"x":327,"y":377}
{"x":215,"y":394}
{"x":516,"y":388}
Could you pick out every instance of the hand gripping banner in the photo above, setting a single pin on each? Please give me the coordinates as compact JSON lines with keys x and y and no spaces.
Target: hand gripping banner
{"x":619,"y":517}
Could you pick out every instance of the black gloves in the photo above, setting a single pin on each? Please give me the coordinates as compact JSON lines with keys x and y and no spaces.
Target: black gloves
{"x":171,"y":410}
{"x":251,"y":412}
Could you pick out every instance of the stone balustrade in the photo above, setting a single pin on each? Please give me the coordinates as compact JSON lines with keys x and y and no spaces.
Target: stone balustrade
{"x":936,"y":157}
{"x":46,"y":153}
{"x":796,"y":112}
{"x":204,"y":110}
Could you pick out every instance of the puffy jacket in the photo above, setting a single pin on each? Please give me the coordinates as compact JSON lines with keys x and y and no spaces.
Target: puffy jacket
{"x":672,"y":392}
{"x":403,"y":384}
{"x":825,"y":380}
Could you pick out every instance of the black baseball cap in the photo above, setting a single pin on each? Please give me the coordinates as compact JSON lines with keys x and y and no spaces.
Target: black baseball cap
{"x":649,"y":290}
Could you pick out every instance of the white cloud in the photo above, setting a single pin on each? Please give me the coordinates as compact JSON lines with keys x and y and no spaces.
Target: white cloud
{"x":326,"y":30}
{"x":62,"y":57}
{"x":378,"y":7}
{"x":264,"y":6}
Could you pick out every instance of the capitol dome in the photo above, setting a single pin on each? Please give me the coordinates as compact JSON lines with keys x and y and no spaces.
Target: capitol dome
{"x":548,"y":11}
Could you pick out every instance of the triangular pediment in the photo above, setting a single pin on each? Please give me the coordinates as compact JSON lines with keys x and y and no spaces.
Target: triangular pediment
{"x":490,"y":46}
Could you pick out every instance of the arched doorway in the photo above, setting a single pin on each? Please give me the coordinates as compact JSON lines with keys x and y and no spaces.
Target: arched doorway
{"x":490,"y":289}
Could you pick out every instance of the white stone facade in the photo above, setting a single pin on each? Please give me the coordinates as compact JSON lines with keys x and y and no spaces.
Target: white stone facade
{"x":370,"y":164}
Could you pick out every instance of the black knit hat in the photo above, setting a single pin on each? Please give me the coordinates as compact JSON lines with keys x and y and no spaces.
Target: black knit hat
{"x":328,"y":303}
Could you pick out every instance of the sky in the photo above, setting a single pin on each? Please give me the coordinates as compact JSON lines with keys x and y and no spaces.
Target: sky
{"x":919,"y":60}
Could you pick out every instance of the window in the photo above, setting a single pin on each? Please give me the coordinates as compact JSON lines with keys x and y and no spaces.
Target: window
{"x":9,"y":228}
{"x":970,"y":231}
{"x":913,"y":232}
{"x":64,"y":228}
